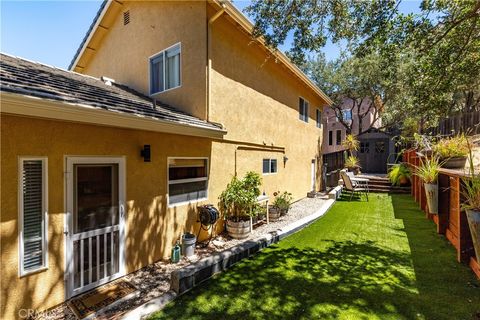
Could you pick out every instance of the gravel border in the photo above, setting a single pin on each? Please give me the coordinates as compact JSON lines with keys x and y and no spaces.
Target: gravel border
{"x":153,"y":281}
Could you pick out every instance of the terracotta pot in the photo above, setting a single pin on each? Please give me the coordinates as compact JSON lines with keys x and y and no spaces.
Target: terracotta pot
{"x":404,"y":181}
{"x":454,"y":162}
{"x":274,"y":214}
{"x":239,"y":230}
{"x":431,"y":191}
{"x":473,"y":217}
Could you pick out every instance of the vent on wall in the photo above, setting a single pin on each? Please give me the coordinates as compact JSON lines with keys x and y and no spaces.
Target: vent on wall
{"x":126,"y":17}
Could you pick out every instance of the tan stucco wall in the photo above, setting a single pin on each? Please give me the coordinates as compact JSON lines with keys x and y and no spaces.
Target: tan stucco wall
{"x":123,"y":52}
{"x":151,"y":227}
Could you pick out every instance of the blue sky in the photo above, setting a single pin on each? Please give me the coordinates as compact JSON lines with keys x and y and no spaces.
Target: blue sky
{"x":51,"y":31}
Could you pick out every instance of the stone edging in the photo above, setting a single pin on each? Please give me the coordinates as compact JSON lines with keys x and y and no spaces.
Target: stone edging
{"x":184,"y":279}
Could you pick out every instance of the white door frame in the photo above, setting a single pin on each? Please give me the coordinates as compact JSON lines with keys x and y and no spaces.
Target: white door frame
{"x":68,"y":225}
{"x":313,"y":171}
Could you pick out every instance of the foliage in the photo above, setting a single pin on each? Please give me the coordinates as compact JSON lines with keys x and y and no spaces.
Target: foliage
{"x":398,"y":172}
{"x":282,"y":200}
{"x":428,"y":170}
{"x":352,"y":162}
{"x":456,"y":146}
{"x":238,"y":200}
{"x":471,"y":190}
{"x":351,"y":143}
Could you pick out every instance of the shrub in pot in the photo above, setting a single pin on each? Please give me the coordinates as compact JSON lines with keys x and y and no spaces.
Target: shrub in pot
{"x":471,"y":193}
{"x":280,"y":206}
{"x":351,"y":143}
{"x":400,"y":175}
{"x":453,"y":151}
{"x":238,"y":202}
{"x":428,"y":173}
{"x":353,"y":164}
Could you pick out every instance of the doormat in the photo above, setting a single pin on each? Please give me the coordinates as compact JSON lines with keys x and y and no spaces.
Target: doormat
{"x":92,"y":302}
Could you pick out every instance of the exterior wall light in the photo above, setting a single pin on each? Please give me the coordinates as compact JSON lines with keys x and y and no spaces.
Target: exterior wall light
{"x":285,"y":159}
{"x":145,"y":153}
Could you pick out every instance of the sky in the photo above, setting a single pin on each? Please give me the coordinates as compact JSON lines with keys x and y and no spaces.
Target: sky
{"x":50,"y":32}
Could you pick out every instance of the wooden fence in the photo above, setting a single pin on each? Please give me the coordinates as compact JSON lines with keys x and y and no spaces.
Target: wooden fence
{"x":468,"y":123}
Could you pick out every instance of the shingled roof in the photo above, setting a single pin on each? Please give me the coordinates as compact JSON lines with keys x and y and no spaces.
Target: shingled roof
{"x":38,"y":80}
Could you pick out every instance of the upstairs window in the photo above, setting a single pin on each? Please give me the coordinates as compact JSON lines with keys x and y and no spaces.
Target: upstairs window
{"x":303,"y":109}
{"x":187,"y":180}
{"x":330,"y":137}
{"x":339,"y":137}
{"x":165,"y":70}
{"x":32,"y":214}
{"x":319,"y":118}
{"x":347,"y":115}
{"x":269,"y":166}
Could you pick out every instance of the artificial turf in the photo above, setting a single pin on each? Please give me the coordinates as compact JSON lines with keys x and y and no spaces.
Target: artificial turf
{"x":363,"y":260}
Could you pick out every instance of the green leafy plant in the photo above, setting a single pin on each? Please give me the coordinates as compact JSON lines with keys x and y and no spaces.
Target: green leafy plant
{"x":471,"y":189}
{"x":456,"y":146}
{"x":352,"y":162}
{"x":282,"y":200}
{"x":399,"y":174}
{"x":428,"y":169}
{"x":351,"y":143}
{"x":239,"y":199}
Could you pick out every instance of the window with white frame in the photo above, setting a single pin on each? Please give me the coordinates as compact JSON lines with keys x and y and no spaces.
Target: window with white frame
{"x":165,"y":70}
{"x":187,"y":179}
{"x":269,"y":166}
{"x":319,"y":118}
{"x":32,"y":214}
{"x":303,"y":109}
{"x":347,"y":115}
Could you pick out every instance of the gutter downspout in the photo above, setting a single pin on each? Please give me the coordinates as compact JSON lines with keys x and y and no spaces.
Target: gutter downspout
{"x":209,"y":60}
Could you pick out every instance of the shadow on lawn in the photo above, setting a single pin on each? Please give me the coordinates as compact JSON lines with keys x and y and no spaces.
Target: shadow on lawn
{"x":358,"y":279}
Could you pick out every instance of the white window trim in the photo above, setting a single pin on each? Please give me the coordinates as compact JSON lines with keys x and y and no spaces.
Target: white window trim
{"x":152,"y":94}
{"x":269,"y":166}
{"x":21,"y":271}
{"x":177,"y":204}
{"x":307,"y":111}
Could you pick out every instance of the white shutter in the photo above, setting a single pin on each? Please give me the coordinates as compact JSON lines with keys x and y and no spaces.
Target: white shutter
{"x":32,"y":214}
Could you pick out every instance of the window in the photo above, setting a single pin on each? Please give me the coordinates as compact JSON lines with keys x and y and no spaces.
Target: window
{"x":303,"y":109}
{"x":319,"y":118}
{"x":165,"y":70}
{"x":330,"y":137}
{"x":339,"y":137}
{"x":364,"y":147}
{"x":32,"y":214}
{"x":347,"y":115}
{"x":187,"y":179}
{"x":269,"y":166}
{"x":380,"y":147}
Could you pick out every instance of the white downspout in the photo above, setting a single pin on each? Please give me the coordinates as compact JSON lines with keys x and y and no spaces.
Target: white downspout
{"x":209,"y":60}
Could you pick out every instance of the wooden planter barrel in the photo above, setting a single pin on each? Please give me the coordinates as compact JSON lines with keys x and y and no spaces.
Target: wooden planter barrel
{"x":274,"y":214}
{"x":239,"y":230}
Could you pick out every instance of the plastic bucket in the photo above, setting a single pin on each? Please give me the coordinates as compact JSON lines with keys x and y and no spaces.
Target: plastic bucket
{"x":188,"y":244}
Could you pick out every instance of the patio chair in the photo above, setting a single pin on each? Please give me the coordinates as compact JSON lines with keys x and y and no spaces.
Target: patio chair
{"x":356,"y":186}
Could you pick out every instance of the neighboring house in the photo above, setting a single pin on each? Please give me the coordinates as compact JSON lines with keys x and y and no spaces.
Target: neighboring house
{"x":100,"y":177}
{"x":335,"y":132}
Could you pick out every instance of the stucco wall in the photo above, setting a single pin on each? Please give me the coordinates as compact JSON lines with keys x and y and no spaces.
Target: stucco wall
{"x":124,"y":51}
{"x":152,"y":228}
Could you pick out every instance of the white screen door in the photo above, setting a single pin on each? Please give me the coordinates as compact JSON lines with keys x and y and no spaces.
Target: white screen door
{"x":95,"y":222}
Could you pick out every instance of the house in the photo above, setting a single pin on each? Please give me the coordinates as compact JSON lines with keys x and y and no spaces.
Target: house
{"x":103,"y":166}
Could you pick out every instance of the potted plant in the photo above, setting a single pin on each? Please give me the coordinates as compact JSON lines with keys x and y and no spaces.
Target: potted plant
{"x":471,"y":193}
{"x":400,"y":174}
{"x":238,"y":202}
{"x":428,"y":173}
{"x":353,"y":164}
{"x":280,"y":206}
{"x":453,"y":151}
{"x":351,"y":143}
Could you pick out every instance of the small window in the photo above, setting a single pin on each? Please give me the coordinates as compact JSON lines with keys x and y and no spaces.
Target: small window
{"x":364,"y":147}
{"x":269,"y":166}
{"x":32,"y":214}
{"x":339,"y":137}
{"x":319,"y":118}
{"x":165,"y":70}
{"x":347,"y":115}
{"x":379,"y":147}
{"x":303,"y":109}
{"x":330,"y":137}
{"x":187,"y":180}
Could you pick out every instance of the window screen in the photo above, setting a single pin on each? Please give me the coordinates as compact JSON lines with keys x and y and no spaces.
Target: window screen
{"x":165,"y":70}
{"x":188,"y":179}
{"x":303,"y":109}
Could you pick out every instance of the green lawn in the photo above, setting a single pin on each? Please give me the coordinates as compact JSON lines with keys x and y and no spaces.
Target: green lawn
{"x":363,"y":260}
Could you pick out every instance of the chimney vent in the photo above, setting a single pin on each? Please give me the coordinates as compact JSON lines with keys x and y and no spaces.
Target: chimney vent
{"x":107,"y":81}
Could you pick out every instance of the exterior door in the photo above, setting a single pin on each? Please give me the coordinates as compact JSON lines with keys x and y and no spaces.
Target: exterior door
{"x":95,"y":229}
{"x":373,"y":155}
